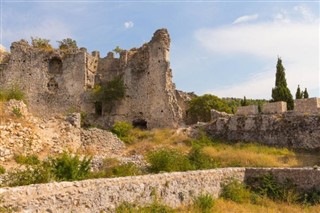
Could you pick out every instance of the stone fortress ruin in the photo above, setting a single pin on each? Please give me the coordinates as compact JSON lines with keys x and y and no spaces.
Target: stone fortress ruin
{"x":59,"y":81}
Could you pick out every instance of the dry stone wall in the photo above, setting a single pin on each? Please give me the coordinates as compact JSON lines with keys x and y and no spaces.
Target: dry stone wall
{"x":310,"y":105}
{"x":282,"y":130}
{"x":173,"y":189}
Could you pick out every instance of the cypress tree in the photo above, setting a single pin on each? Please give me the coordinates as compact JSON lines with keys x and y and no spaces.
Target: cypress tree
{"x":281,"y":92}
{"x":299,"y":94}
{"x":244,"y":101}
{"x":305,"y":93}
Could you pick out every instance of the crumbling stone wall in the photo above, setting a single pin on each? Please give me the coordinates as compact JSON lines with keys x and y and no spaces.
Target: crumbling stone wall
{"x":274,"y":107}
{"x":150,"y":94}
{"x":172,"y":189}
{"x":53,"y":81}
{"x":283,"y":130}
{"x":62,"y":80}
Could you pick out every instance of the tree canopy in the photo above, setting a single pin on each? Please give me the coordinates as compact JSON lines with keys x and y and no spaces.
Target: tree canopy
{"x":281,"y":92}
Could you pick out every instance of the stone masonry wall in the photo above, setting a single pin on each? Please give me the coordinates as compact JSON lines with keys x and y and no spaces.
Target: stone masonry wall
{"x":247,"y":110}
{"x":310,"y":105}
{"x":282,"y":130}
{"x":52,"y":80}
{"x":274,"y":107}
{"x":173,"y":189}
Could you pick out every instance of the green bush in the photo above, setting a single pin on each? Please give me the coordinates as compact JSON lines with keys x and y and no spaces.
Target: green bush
{"x":199,"y":160}
{"x":41,"y":43}
{"x":267,"y":185}
{"x":29,"y":175}
{"x":67,"y":44}
{"x":106,"y":94}
{"x":200,"y":108}
{"x":168,"y":161}
{"x":66,"y":167}
{"x":122,"y":129}
{"x":17,"y":112}
{"x":27,"y":160}
{"x":236,"y":192}
{"x":128,"y":169}
{"x":13,"y":93}
{"x":2,"y":170}
{"x":204,"y":203}
{"x":313,"y":197}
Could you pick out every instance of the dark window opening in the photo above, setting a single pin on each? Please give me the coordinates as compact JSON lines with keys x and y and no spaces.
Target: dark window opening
{"x":55,"y":66}
{"x":52,"y":85}
{"x":98,"y":108}
{"x":139,"y":123}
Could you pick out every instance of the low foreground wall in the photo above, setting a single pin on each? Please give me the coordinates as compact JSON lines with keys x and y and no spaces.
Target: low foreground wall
{"x":173,"y":189}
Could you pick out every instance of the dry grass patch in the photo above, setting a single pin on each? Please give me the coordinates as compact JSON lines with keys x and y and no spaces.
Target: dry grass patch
{"x":251,"y":155}
{"x":144,"y":141}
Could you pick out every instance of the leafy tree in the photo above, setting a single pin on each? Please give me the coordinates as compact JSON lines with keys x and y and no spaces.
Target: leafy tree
{"x":281,"y":91}
{"x":109,"y":92}
{"x":244,"y":101}
{"x":305,"y":93}
{"x":200,"y":107}
{"x":117,"y":50}
{"x":299,"y":94}
{"x":67,"y":43}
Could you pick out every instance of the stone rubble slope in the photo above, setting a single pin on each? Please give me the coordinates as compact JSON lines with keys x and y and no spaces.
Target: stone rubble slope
{"x":49,"y":136}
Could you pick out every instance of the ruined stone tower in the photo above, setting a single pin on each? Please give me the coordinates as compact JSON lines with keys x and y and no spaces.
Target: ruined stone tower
{"x":58,"y":81}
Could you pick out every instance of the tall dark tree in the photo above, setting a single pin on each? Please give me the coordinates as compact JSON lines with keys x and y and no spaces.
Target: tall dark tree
{"x":281,"y":92}
{"x":299,"y":94}
{"x":305,"y":93}
{"x":244,"y":101}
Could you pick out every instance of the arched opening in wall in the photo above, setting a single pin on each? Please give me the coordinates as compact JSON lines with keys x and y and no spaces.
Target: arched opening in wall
{"x":140,"y":123}
{"x":55,"y":66}
{"x":53,"y":85}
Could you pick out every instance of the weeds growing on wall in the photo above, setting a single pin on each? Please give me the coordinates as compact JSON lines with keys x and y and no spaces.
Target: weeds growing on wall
{"x":106,"y":94}
{"x":14,"y":92}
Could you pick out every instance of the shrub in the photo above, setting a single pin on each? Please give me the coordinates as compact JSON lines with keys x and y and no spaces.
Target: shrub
{"x":113,"y":168}
{"x":27,"y":176}
{"x":27,"y":160}
{"x":200,"y":107}
{"x":204,"y":203}
{"x":168,"y":161}
{"x":121,"y":129}
{"x":2,"y":170}
{"x":41,"y":43}
{"x":267,"y":185}
{"x":67,"y":44}
{"x":108,"y":93}
{"x":66,"y":167}
{"x":12,"y":93}
{"x":313,"y":197}
{"x":17,"y":112}
{"x":199,"y":160}
{"x":236,"y":192}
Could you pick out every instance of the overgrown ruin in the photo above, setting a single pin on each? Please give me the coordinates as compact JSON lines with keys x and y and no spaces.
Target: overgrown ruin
{"x":60,"y":81}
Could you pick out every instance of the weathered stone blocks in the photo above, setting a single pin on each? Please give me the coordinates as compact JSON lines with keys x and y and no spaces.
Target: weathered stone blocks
{"x":274,"y":107}
{"x":247,"y":110}
{"x":310,"y":105}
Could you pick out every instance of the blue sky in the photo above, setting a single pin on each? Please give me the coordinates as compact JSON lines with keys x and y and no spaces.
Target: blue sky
{"x":225,"y":48}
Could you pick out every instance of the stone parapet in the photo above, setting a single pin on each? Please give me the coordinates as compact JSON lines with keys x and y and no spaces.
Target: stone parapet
{"x":247,"y":110}
{"x":309,"y":105}
{"x":274,"y":108}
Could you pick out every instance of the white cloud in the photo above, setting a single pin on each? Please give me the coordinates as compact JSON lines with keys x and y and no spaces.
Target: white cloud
{"x":296,"y":42}
{"x":128,"y":24}
{"x":245,"y":18}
